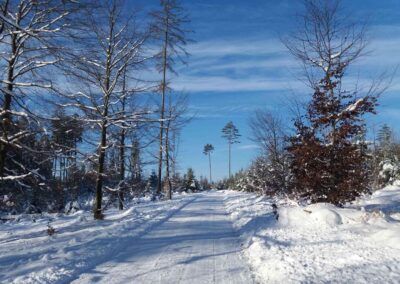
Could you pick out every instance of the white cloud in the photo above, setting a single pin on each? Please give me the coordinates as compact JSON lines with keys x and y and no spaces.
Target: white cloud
{"x":225,"y":84}
{"x":210,"y":70}
{"x":235,"y":47}
{"x":248,"y":147}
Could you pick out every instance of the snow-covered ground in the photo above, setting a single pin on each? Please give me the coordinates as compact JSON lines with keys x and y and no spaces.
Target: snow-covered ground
{"x":211,"y":237}
{"x":188,"y":240}
{"x":29,"y":255}
{"x":320,"y":243}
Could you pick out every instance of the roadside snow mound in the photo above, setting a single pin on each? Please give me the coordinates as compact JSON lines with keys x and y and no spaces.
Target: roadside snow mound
{"x":312,"y":216}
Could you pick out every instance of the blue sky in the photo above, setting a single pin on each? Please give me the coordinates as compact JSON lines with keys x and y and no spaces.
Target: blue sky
{"x":238,"y":65}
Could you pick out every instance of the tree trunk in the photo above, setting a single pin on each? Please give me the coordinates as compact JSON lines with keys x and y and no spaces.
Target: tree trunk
{"x":6,"y":117}
{"x":163,"y":89}
{"x":169,"y":193}
{"x":229,"y":160}
{"x":103,"y":143}
{"x":100,"y":171}
{"x":122,"y":155}
{"x":122,"y":170}
{"x":209,"y":162}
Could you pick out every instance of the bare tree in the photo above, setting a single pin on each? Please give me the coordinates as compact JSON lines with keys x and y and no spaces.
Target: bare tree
{"x":269,"y":133}
{"x":326,"y":38}
{"x":176,"y":119}
{"x":122,"y":145}
{"x":4,"y":11}
{"x":269,"y":171}
{"x":110,"y":45}
{"x":169,"y":29}
{"x":29,"y":32}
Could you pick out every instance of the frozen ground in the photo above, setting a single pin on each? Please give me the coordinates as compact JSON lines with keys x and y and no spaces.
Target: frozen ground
{"x":188,"y":240}
{"x":321,"y":243}
{"x":209,"y":238}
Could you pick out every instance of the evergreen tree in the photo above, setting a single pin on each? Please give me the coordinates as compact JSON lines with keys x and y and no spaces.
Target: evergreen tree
{"x":67,"y":132}
{"x":190,"y":180}
{"x":386,"y":158}
{"x":136,"y":162}
{"x":208,"y":149}
{"x":152,"y":182}
{"x":231,"y":134}
{"x":385,"y":139}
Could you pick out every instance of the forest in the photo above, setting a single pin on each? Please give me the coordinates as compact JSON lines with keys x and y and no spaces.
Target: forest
{"x":112,"y":172}
{"x":79,"y":121}
{"x":76,"y":112}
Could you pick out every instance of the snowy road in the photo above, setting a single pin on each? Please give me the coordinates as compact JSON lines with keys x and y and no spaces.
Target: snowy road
{"x":195,"y":245}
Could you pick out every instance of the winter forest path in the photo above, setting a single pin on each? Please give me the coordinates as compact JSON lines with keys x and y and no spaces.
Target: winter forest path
{"x":195,"y":245}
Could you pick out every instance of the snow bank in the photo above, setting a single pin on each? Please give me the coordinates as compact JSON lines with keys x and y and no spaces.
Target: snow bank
{"x":312,"y":216}
{"x":320,"y":243}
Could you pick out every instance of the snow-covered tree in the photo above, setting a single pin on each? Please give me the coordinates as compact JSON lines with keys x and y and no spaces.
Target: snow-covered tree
{"x":386,"y":158}
{"x":385,"y":139}
{"x":29,"y":48}
{"x":190,"y":180}
{"x":326,"y":164}
{"x":108,"y":45}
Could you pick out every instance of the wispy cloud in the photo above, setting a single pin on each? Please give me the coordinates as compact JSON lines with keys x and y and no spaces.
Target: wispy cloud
{"x":236,"y":65}
{"x":235,"y":47}
{"x":226,"y":84}
{"x":248,"y":147}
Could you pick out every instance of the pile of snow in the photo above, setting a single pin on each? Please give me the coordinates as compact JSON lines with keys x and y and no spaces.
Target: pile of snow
{"x":320,"y":242}
{"x":312,"y":216}
{"x":29,"y":255}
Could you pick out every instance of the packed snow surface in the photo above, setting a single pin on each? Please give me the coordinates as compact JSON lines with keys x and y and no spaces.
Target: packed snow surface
{"x":188,"y":240}
{"x":320,"y":243}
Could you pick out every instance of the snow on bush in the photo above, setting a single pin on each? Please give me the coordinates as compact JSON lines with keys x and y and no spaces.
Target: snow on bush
{"x":389,"y":172}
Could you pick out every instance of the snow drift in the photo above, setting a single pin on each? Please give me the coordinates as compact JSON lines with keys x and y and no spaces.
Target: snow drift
{"x":359,"y":243}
